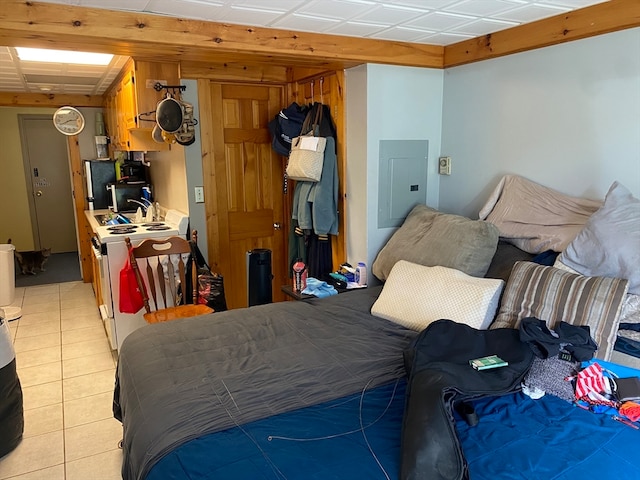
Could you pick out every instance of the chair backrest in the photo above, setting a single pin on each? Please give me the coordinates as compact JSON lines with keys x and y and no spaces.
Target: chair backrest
{"x":164,"y":265}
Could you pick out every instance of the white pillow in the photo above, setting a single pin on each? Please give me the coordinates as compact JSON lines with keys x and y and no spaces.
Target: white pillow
{"x":415,"y":296}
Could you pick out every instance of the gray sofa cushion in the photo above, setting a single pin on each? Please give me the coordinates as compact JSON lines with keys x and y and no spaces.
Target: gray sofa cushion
{"x":431,"y":238}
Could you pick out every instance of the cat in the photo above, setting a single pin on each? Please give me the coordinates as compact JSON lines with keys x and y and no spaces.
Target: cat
{"x":29,"y":261}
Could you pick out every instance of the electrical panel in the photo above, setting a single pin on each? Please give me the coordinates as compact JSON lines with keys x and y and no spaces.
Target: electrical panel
{"x":402,"y":180}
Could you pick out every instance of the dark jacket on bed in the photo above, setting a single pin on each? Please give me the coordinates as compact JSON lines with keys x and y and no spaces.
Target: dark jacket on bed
{"x":439,"y":377}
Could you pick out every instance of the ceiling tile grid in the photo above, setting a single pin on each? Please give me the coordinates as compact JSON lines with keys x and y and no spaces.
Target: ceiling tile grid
{"x":436,"y":22}
{"x":439,"y":22}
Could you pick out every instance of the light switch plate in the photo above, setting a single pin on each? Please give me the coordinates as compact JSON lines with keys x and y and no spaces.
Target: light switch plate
{"x":199,"y":194}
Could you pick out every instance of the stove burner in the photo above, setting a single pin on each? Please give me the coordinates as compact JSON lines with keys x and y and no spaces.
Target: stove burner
{"x":154,"y":228}
{"x":122,"y":231}
{"x":152,"y":224}
{"x":128,"y":226}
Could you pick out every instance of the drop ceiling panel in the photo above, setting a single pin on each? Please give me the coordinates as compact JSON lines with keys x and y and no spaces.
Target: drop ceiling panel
{"x":437,"y":22}
{"x":390,"y":14}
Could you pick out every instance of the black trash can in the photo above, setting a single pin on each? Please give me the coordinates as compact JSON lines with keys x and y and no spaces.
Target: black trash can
{"x":259,"y":276}
{"x":11,"y":412}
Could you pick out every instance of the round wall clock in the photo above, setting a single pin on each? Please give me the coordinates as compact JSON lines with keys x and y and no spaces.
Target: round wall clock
{"x":68,"y":120}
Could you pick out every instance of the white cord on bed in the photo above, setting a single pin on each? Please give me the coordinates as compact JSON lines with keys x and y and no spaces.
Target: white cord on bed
{"x":342,"y":434}
{"x":361,"y":429}
{"x":273,"y":466}
{"x":364,"y":435}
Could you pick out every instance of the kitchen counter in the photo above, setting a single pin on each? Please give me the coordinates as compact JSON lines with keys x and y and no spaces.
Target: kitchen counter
{"x":90,"y":214}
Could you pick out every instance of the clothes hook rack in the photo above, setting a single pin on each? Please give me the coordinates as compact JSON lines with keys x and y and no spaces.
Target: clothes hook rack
{"x":159,"y":87}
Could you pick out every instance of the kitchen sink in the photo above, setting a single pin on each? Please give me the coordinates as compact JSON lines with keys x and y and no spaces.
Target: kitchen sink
{"x":102,"y":218}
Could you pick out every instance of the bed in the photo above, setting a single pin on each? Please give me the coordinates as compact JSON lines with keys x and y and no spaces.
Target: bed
{"x":318,"y":389}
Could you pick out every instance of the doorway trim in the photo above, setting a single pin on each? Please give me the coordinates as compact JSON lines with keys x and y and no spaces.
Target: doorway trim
{"x":75,"y":171}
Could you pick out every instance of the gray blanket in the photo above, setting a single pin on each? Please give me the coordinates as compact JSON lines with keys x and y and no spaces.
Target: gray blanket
{"x":180,"y":380}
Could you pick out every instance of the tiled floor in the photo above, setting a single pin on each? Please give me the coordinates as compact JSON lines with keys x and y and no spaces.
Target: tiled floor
{"x":66,"y":369}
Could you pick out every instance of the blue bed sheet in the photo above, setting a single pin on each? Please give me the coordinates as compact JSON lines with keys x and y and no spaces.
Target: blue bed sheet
{"x":517,"y":438}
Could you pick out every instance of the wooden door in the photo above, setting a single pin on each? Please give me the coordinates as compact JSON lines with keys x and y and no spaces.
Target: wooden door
{"x":246,"y":210}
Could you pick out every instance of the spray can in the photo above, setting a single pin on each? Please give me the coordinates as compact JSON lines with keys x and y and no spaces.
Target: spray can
{"x":299,"y":276}
{"x":361,"y":274}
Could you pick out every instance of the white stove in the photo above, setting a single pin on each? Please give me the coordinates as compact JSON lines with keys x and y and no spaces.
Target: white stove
{"x":175,"y":223}
{"x":111,"y":247}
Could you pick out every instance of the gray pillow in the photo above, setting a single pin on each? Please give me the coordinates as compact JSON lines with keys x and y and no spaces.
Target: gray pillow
{"x":609,"y":244}
{"x":432,"y":238}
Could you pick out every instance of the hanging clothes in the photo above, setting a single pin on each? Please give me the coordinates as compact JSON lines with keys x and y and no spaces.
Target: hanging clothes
{"x":315,"y":205}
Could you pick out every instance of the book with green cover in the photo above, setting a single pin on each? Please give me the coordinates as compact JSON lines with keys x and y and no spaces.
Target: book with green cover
{"x":485,"y":363}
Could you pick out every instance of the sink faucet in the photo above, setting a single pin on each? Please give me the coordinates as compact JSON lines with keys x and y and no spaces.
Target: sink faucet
{"x":147,"y":206}
{"x":144,"y":206}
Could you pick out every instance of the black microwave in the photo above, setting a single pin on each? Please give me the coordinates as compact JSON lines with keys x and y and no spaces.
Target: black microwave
{"x":122,"y":192}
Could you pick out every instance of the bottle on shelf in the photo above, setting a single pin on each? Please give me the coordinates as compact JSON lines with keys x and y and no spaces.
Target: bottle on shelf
{"x":361,"y":274}
{"x":299,"y":276}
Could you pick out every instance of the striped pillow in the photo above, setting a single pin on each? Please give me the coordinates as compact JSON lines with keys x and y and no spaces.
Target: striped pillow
{"x":554,"y":295}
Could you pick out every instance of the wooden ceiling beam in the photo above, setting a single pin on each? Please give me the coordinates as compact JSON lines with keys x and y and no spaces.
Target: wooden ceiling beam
{"x":26,"y":23}
{"x":54,"y":100}
{"x":586,"y":22}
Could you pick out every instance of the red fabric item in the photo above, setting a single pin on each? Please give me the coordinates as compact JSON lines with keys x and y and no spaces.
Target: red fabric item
{"x":131,"y":300}
{"x":631,"y":410}
{"x":590,"y":380}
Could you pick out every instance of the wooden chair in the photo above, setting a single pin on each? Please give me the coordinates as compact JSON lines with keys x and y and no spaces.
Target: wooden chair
{"x":161,"y":275}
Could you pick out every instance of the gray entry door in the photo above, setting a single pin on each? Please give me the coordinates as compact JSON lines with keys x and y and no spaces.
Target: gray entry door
{"x":46,"y":164}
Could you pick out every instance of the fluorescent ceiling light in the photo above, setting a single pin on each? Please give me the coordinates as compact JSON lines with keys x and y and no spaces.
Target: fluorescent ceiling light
{"x":63,"y":56}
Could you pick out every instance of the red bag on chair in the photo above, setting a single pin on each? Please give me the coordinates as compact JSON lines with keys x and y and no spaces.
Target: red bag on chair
{"x":131,"y":300}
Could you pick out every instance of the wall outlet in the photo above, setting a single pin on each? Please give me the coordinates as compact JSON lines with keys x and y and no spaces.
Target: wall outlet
{"x":444,"y":165}
{"x":199,"y":194}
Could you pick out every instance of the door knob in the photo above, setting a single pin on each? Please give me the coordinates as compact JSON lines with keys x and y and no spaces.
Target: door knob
{"x":39,"y":193}
{"x":277,"y":226}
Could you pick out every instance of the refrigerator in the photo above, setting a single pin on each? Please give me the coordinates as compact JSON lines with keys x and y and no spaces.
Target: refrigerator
{"x":98,"y":174}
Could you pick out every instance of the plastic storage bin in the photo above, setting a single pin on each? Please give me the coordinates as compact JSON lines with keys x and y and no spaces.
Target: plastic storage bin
{"x":7,"y":274}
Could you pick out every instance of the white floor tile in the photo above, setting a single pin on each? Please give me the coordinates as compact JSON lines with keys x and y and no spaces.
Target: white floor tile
{"x":30,"y":292}
{"x":88,"y":409}
{"x":36,"y":342}
{"x":79,"y":321}
{"x":38,"y":318}
{"x":42,"y":395}
{"x":42,"y":420}
{"x":34,"y":453}
{"x":42,"y":328}
{"x":46,"y":373}
{"x":51,"y":473}
{"x":87,"y":385}
{"x":92,"y":439}
{"x":90,"y":311}
{"x":104,"y":466}
{"x":31,"y":358}
{"x":29,"y":307}
{"x":82,"y":349}
{"x":52,"y":298}
{"x":89,"y":364}
{"x":79,"y":288}
{"x":85,"y":334}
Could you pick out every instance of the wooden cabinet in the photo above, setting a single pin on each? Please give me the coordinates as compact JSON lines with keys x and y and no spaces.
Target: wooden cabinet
{"x":131,"y":95}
